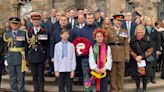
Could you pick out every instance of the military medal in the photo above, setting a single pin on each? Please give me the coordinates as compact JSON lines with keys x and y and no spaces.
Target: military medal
{"x":42,"y":37}
{"x":20,"y":38}
{"x":123,"y":34}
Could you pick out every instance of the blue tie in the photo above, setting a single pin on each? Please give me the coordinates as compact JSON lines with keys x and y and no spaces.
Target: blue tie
{"x":64,"y":49}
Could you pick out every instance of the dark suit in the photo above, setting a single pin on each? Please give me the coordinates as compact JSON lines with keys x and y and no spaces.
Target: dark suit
{"x":14,"y":59}
{"x":156,"y":47}
{"x":44,"y":24}
{"x":132,"y":27}
{"x":51,"y":28}
{"x":1,"y":53}
{"x":36,"y":57}
{"x":100,"y":23}
{"x":72,"y":25}
{"x":161,"y":41}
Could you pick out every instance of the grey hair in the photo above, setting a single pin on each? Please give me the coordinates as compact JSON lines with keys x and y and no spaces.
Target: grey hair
{"x":139,"y":26}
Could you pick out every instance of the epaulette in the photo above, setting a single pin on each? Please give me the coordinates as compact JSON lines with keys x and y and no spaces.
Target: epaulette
{"x":42,"y":29}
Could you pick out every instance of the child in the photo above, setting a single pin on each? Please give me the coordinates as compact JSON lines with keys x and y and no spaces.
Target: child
{"x":100,"y":60}
{"x":64,"y":62}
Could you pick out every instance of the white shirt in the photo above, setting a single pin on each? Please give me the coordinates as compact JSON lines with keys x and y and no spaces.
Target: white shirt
{"x":36,"y":30}
{"x":128,"y":25}
{"x":53,"y":20}
{"x":81,"y":25}
{"x":72,"y":21}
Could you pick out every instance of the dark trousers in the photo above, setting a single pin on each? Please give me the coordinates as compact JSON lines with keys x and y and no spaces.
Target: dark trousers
{"x":64,"y":80}
{"x":37,"y":70}
{"x":79,"y":67}
{"x":159,"y":62}
{"x":144,"y":81}
{"x":51,"y":67}
{"x":103,"y":85}
{"x":16,"y":78}
{"x":162,"y":69}
{"x":151,"y":66}
{"x":1,"y":71}
{"x":127,"y":69}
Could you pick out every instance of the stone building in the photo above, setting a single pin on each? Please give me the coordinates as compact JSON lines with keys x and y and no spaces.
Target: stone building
{"x":152,"y":8}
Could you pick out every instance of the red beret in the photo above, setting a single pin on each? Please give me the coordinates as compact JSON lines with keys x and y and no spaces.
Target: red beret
{"x":35,"y":15}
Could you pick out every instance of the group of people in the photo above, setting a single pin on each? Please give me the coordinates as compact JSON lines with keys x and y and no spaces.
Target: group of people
{"x":94,"y":47}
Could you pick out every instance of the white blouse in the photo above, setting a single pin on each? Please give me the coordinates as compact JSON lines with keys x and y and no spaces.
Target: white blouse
{"x":92,"y":62}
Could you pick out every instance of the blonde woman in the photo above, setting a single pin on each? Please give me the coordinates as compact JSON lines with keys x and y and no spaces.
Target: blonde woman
{"x":141,"y":50}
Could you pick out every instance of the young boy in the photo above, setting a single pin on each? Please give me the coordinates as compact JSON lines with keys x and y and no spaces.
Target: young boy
{"x":100,"y":61}
{"x":64,"y":62}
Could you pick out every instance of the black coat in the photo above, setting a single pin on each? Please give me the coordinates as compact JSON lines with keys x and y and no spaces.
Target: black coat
{"x":155,"y":39}
{"x":145,"y":44}
{"x":2,"y":49}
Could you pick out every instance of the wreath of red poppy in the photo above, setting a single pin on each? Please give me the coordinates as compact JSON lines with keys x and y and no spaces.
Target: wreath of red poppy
{"x":82,"y":46}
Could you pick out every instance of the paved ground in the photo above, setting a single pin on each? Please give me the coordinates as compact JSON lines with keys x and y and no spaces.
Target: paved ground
{"x":51,"y":86}
{"x":156,"y":90}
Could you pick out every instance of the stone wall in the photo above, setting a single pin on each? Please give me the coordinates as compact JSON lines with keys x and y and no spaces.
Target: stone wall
{"x":5,"y":11}
{"x":10,"y":8}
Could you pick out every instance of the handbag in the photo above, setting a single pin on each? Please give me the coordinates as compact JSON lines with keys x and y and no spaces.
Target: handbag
{"x":148,"y":59}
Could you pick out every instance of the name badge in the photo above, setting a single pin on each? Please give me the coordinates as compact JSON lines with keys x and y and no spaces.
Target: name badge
{"x":123,"y":34}
{"x":20,"y":38}
{"x":42,"y":37}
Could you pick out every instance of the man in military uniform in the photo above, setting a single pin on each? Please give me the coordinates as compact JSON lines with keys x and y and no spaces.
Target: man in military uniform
{"x":37,"y":39}
{"x":15,"y":55}
{"x":118,"y":41}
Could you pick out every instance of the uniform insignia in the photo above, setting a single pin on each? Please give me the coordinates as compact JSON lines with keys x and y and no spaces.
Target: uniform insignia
{"x":20,"y":38}
{"x":123,"y":34}
{"x":42,"y":37}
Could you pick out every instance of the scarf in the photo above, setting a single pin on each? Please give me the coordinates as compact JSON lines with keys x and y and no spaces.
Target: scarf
{"x":100,"y":52}
{"x":149,"y":29}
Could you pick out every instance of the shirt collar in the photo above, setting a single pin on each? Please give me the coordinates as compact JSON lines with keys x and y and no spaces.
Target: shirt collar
{"x":15,"y":31}
{"x":35,"y":28}
{"x":63,"y":41}
{"x":53,"y":17}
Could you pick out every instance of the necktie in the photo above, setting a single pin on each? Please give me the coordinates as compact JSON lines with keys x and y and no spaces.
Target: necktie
{"x":36,"y":31}
{"x":15,"y":34}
